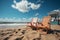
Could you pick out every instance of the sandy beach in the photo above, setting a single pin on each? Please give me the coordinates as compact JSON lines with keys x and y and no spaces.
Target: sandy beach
{"x":21,"y":33}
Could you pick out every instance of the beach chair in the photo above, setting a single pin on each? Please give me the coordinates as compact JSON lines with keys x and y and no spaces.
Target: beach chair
{"x":45,"y":24}
{"x":33,"y":23}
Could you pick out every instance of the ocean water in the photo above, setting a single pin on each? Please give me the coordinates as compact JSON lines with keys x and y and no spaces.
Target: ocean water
{"x":12,"y":25}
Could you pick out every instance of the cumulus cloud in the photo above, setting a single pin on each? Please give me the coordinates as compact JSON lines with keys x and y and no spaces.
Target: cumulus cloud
{"x":17,"y":19}
{"x":34,"y":6}
{"x":10,"y":19}
{"x":14,"y":1}
{"x":25,"y":6}
{"x":36,"y":14}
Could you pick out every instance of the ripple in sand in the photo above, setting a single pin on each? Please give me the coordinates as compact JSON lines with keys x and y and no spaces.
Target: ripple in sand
{"x":6,"y":38}
{"x":19,"y":38}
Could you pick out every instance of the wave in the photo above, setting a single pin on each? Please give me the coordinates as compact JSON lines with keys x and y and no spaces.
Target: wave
{"x":12,"y":25}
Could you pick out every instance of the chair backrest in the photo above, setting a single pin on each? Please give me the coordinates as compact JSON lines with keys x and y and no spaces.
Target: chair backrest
{"x":34,"y":21}
{"x":46,"y":20}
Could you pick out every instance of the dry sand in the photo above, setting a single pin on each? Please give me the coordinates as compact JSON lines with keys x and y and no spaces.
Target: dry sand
{"x":24,"y":34}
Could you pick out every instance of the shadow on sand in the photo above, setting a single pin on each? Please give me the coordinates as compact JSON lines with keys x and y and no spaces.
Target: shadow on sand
{"x":53,"y":31}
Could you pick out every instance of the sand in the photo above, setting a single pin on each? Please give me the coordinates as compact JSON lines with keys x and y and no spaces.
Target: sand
{"x":22,"y":33}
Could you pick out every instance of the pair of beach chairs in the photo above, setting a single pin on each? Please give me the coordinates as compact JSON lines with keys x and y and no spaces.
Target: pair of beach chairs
{"x":43,"y":26}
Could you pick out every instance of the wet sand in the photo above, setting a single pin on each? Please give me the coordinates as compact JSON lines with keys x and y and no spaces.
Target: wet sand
{"x":22,"y":33}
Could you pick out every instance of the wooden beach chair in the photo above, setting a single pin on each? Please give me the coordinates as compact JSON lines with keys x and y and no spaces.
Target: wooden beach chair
{"x":45,"y":24}
{"x":33,"y":23}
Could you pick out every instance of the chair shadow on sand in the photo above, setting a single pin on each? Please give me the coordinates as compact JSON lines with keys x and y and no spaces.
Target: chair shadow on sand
{"x":53,"y":31}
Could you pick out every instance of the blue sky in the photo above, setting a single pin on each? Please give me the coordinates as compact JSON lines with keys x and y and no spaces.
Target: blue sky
{"x":11,"y":9}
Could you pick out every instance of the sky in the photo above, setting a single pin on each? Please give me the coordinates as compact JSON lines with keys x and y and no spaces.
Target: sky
{"x":25,"y":10}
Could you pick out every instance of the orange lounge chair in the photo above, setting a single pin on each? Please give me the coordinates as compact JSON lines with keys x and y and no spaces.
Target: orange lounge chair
{"x":45,"y":24}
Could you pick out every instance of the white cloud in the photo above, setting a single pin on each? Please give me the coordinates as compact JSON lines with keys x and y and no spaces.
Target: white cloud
{"x":36,"y":14}
{"x":17,"y":19}
{"x":14,"y":1}
{"x":13,"y":6}
{"x":25,"y":6}
{"x":39,"y":1}
{"x":22,"y":6}
{"x":10,"y":19}
{"x":34,"y":6}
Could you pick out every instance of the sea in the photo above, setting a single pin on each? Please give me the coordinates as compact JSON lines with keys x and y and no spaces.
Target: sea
{"x":12,"y":24}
